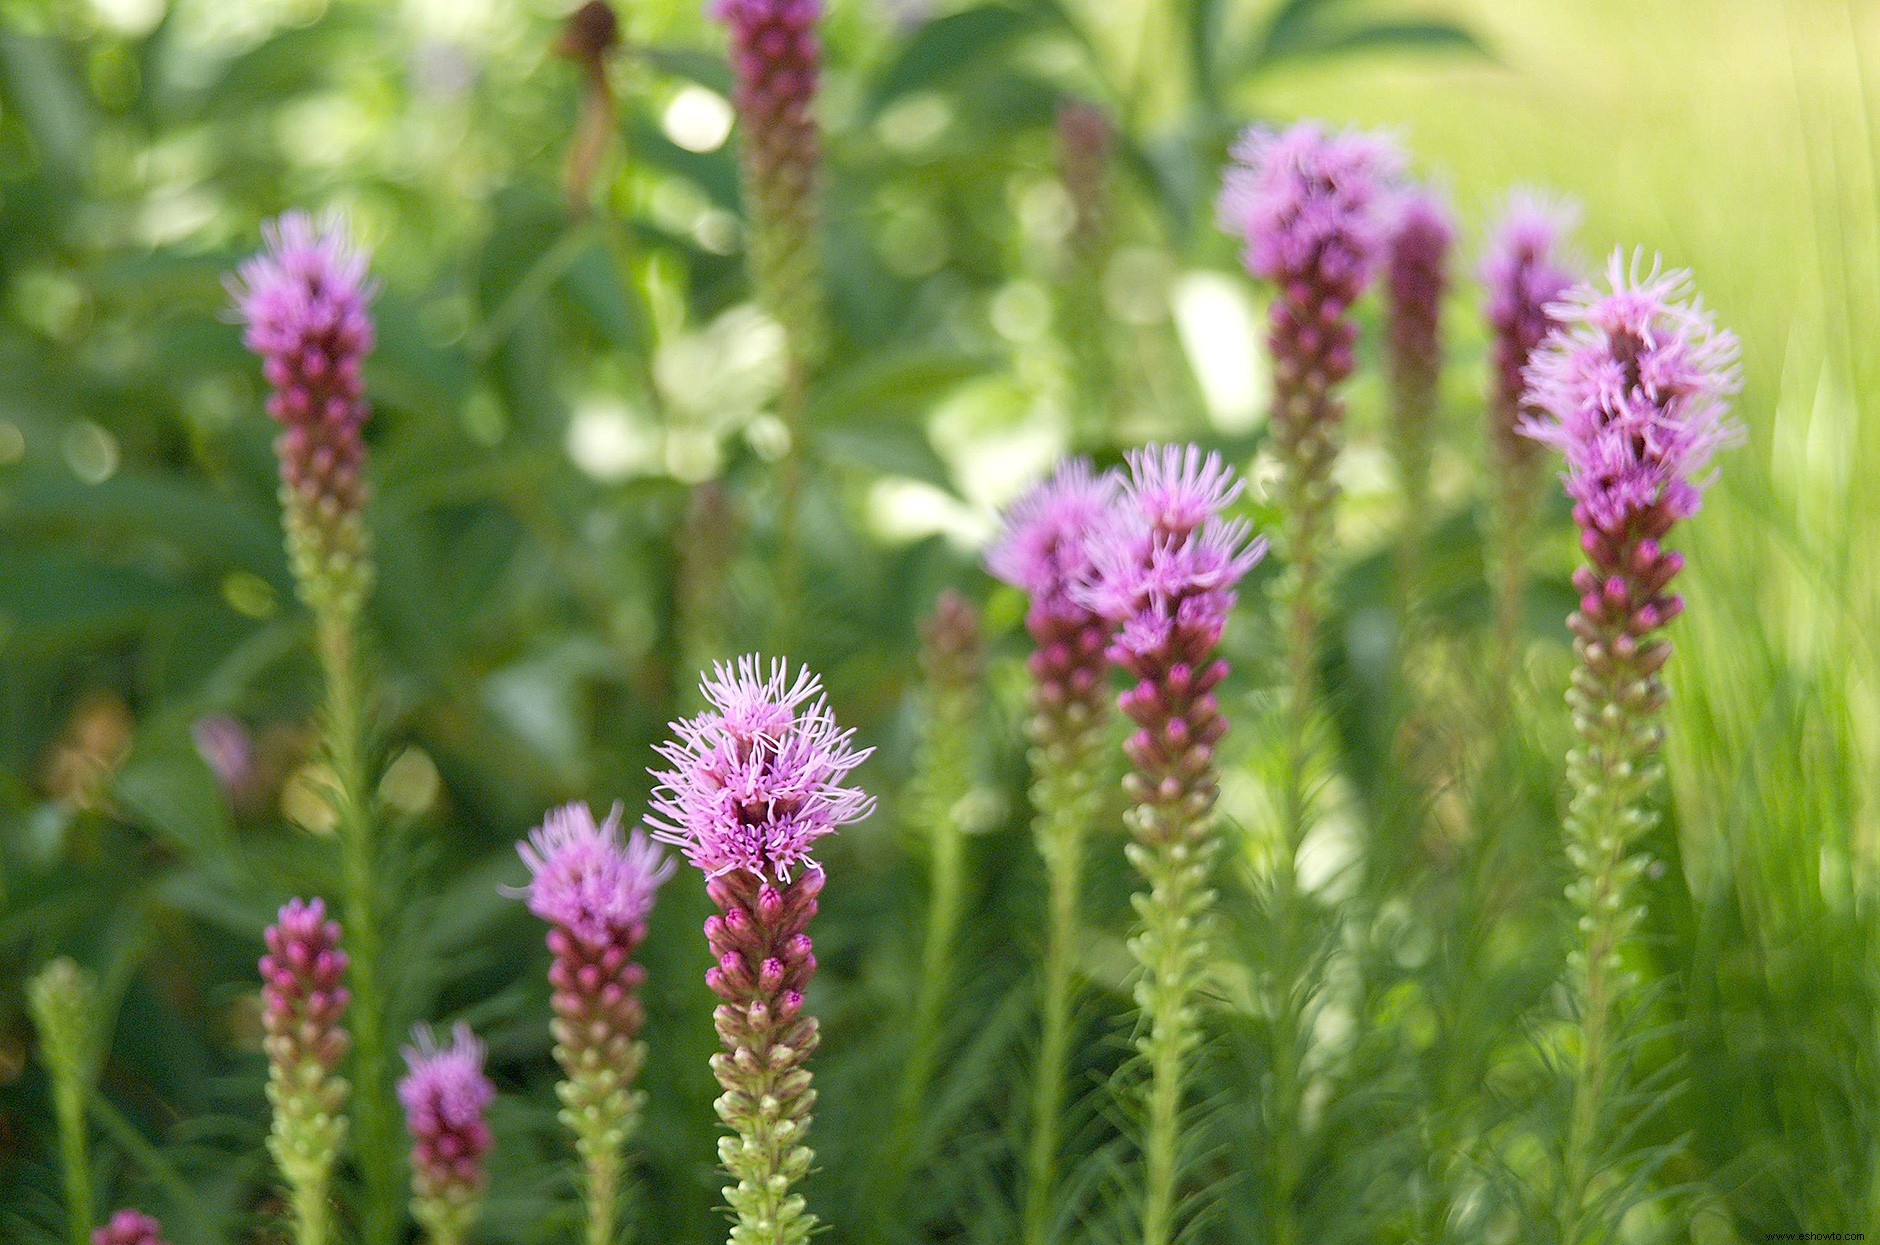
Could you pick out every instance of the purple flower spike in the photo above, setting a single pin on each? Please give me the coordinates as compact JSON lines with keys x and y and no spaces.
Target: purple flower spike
{"x":303,"y":302}
{"x":1633,"y":392}
{"x":1524,"y":273}
{"x":776,"y":58}
{"x":595,"y":891}
{"x":1045,"y":544}
{"x":1632,"y":389}
{"x":1315,"y":209}
{"x":1165,"y":570}
{"x":445,"y":1096}
{"x":129,"y":1227}
{"x":1416,"y":277}
{"x":303,"y":1004}
{"x":756,"y":779}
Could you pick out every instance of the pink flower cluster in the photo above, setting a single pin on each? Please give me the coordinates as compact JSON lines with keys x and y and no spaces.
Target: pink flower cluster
{"x":1633,"y":391}
{"x":1316,"y":209}
{"x":129,"y":1227}
{"x":1163,"y":568}
{"x":304,"y":304}
{"x":757,"y":778}
{"x":303,"y":991}
{"x":445,"y":1095}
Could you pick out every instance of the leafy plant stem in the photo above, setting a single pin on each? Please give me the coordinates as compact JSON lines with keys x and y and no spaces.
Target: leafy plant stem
{"x":376,"y":1152}
{"x":1066,"y":802}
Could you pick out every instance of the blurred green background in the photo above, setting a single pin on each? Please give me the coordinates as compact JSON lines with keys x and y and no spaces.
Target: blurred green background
{"x":573,"y":458}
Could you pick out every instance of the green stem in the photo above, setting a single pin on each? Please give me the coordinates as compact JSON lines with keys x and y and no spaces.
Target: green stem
{"x":1066,"y":802}
{"x":1306,"y":530}
{"x":69,"y":1104}
{"x":377,"y":1148}
{"x":603,"y":1195}
{"x":1172,"y":949}
{"x":1609,"y":776}
{"x":312,"y":1210}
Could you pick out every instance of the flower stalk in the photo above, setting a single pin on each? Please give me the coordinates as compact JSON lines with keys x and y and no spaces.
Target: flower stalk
{"x":1633,"y":390}
{"x":595,"y":890}
{"x":952,"y":657}
{"x":776,"y":61}
{"x":754,"y":781}
{"x":304,"y":303}
{"x":63,"y":1000}
{"x":1315,"y":211}
{"x":1164,"y":573}
{"x":1045,"y":549}
{"x":303,"y":1001}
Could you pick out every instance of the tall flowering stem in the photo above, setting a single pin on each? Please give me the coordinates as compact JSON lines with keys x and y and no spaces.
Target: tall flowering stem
{"x":953,"y":660}
{"x":1316,"y":213}
{"x":1045,"y":548}
{"x":754,"y":782}
{"x":1164,"y":572}
{"x":1416,"y":277}
{"x":1524,"y":274}
{"x":129,"y":1227}
{"x":303,"y":1007}
{"x":446,"y":1097}
{"x":304,"y":303}
{"x":776,"y":60}
{"x":1633,"y":390}
{"x":63,"y":1000}
{"x":595,"y":890}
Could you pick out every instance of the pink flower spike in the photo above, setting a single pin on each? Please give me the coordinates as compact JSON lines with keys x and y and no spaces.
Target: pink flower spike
{"x":757,"y":778}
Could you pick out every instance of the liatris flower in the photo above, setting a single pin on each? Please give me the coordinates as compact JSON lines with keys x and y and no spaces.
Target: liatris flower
{"x":1417,"y":274}
{"x":1164,"y":571}
{"x":1316,"y":211}
{"x":63,"y":1000}
{"x":776,"y":57}
{"x":1524,"y":274}
{"x":445,"y":1096}
{"x":303,"y":1002}
{"x":304,"y":303}
{"x":1633,"y":390}
{"x":756,"y":781}
{"x":1045,"y":548}
{"x":595,"y":891}
{"x":129,"y":1227}
{"x":952,"y":658}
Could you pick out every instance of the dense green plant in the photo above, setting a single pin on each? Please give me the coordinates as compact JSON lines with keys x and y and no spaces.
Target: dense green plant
{"x":595,"y":467}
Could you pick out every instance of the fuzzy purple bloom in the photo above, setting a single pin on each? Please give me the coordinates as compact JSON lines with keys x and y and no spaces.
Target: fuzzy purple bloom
{"x":446,"y":1095}
{"x":303,"y":302}
{"x":1633,"y":391}
{"x":756,"y":779}
{"x":1314,"y":208}
{"x":595,"y":891}
{"x":129,"y":1227}
{"x":303,"y":990}
{"x":1417,"y":276}
{"x":1045,"y":543}
{"x":1164,"y":568}
{"x":586,"y":879}
{"x":1525,"y":275}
